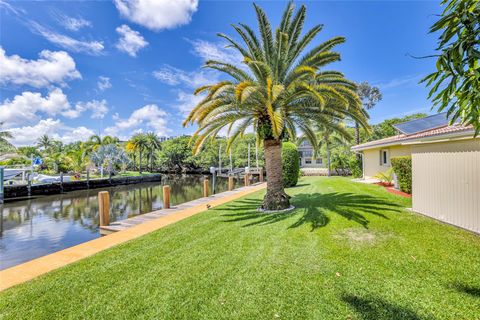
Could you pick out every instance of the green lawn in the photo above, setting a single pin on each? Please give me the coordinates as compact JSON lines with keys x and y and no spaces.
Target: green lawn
{"x":349,"y":251}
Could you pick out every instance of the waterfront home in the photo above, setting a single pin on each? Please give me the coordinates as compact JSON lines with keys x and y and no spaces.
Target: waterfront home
{"x":445,"y":167}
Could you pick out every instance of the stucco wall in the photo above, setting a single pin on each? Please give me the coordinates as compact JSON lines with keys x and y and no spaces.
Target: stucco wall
{"x":371,"y":159}
{"x":446,"y":182}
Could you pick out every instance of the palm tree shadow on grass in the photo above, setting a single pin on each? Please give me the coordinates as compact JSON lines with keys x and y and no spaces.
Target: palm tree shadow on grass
{"x":379,"y":309}
{"x":314,"y":209}
{"x":468,"y":289}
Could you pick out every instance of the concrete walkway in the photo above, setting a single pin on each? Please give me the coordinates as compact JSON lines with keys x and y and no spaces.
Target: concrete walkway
{"x":139,"y":227}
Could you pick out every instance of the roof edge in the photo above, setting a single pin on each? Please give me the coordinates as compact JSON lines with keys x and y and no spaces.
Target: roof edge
{"x":431,"y":138}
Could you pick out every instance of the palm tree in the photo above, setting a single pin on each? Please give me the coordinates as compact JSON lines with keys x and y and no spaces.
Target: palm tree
{"x":44,"y":142}
{"x":153,"y":144}
{"x":130,"y":150}
{"x":282,"y":89}
{"x":139,"y":142}
{"x":109,"y":140}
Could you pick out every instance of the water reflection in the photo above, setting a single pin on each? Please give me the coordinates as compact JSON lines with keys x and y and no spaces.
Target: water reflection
{"x":36,"y":227}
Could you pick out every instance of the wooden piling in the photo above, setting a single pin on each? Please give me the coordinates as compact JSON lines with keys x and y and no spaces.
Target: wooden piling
{"x":247,"y":179}
{"x":205,"y":187}
{"x":104,"y":208}
{"x":260,"y":176}
{"x":166,"y":197}
{"x":230,"y":183}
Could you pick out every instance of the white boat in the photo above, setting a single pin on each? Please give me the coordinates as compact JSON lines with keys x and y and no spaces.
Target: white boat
{"x":51,"y":179}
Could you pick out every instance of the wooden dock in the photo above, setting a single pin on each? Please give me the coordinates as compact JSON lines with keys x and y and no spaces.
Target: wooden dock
{"x":201,"y":202}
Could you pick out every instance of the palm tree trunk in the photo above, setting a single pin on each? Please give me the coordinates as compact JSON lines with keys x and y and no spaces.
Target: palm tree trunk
{"x":151,"y":161}
{"x":140,"y":162}
{"x":357,"y":138}
{"x":329,"y":163}
{"x":276,"y":198}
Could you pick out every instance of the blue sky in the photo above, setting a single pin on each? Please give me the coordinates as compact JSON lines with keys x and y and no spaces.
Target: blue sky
{"x":71,"y":69}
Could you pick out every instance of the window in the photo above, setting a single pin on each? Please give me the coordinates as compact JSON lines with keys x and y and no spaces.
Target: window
{"x":319,"y":161}
{"x":307,"y":153}
{"x":308,"y":161}
{"x":384,"y":158}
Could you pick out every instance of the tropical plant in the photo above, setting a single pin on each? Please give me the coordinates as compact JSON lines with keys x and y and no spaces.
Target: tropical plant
{"x":176,"y":155}
{"x":29,"y":151}
{"x":386,"y":177}
{"x":139,"y":142}
{"x":282,"y":89}
{"x":152,"y":144}
{"x":78,"y":159}
{"x":455,"y":85}
{"x":4,"y":136}
{"x":109,"y":155}
{"x":44,"y":142}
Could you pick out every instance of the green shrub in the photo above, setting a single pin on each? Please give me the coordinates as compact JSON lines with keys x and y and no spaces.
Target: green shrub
{"x":402,"y":166}
{"x":291,"y":164}
{"x":355,"y":166}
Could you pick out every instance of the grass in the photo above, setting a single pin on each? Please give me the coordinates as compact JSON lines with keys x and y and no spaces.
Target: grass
{"x":349,"y":251}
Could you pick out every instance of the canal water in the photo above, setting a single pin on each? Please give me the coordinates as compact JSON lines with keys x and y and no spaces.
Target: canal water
{"x":36,"y":227}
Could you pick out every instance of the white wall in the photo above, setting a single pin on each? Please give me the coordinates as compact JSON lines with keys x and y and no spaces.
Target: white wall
{"x":446,"y":182}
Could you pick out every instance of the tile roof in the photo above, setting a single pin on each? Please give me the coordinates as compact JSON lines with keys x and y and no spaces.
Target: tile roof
{"x":455,"y":128}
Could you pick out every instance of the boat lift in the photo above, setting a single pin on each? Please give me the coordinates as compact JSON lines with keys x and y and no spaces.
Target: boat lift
{"x":225,"y":172}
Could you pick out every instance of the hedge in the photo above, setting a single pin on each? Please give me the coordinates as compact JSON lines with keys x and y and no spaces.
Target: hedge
{"x":291,"y":164}
{"x":402,"y":166}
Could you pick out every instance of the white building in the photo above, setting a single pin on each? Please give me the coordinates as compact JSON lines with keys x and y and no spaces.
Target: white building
{"x":305,"y":150}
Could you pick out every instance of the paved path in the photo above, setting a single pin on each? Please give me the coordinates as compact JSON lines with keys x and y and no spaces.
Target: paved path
{"x":139,"y":227}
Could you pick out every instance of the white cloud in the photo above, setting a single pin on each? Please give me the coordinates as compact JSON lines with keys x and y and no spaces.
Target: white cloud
{"x":194,"y":79}
{"x":69,"y":135}
{"x":73,"y":24}
{"x":7,"y":6}
{"x":157,"y":14}
{"x":130,"y":41}
{"x":104,"y":83}
{"x":400,"y":82}
{"x":149,"y":117}
{"x":30,"y":107}
{"x":98,"y":109}
{"x":68,"y":43}
{"x":24,"y":108}
{"x":28,"y":135}
{"x":216,"y":51}
{"x":187,"y":101}
{"x":52,"y":67}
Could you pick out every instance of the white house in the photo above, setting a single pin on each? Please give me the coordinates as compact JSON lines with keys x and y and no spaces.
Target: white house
{"x":445,"y":167}
{"x":305,"y":151}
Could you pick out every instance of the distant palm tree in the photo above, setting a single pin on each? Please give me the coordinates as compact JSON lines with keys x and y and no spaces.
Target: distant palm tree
{"x":139,"y":141}
{"x":95,"y":141}
{"x":44,"y":142}
{"x":284,"y":89}
{"x":110,"y":140}
{"x":153,"y":144}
